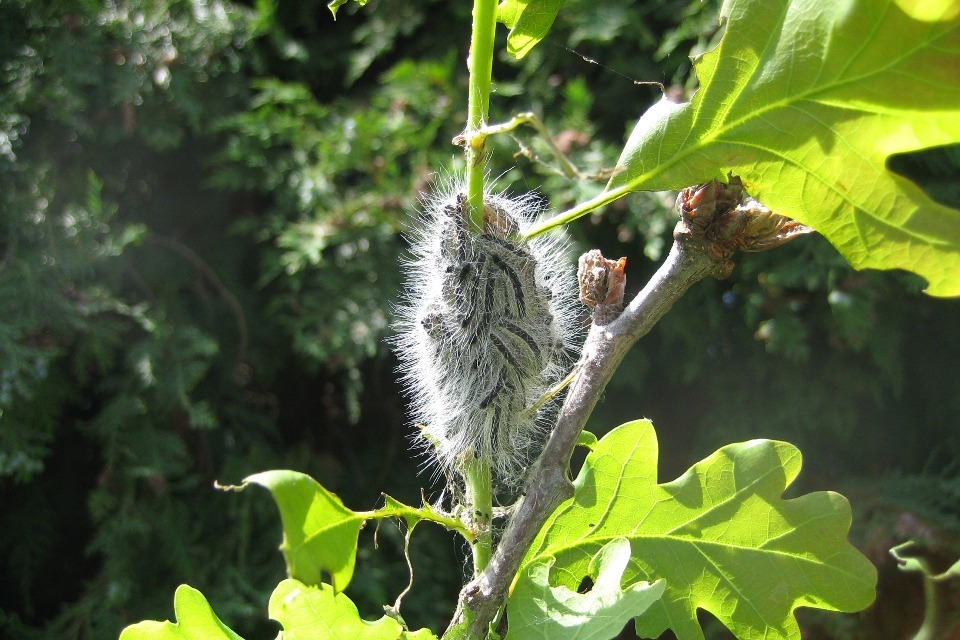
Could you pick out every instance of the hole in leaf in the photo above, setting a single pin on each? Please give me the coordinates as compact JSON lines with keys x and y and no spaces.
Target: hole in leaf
{"x":585,"y":585}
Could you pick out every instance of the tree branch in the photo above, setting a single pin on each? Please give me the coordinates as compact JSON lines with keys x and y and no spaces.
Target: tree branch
{"x":715,"y":222}
{"x":604,"y":349}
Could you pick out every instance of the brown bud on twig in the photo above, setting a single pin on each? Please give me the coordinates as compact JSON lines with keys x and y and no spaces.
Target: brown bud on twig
{"x":763,"y":229}
{"x":726,"y":222}
{"x":602,"y":284}
{"x":699,"y":206}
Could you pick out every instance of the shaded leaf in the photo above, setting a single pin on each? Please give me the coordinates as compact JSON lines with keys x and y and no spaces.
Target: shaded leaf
{"x":529,"y":22}
{"x":195,"y":621}
{"x":806,"y":100}
{"x":538,"y":610}
{"x":721,"y":536}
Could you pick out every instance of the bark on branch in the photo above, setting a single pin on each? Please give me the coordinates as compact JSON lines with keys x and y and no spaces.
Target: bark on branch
{"x":701,"y":239}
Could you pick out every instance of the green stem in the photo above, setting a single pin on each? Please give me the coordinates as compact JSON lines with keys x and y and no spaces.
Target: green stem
{"x":530,"y":118}
{"x":480,"y":503}
{"x":477,"y":473}
{"x":931,"y":611}
{"x":478,"y":106}
{"x":578,"y":211}
{"x":394,"y":509}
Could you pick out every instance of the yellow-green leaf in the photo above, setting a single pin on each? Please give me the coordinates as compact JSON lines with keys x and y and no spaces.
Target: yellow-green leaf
{"x":195,"y":621}
{"x":319,"y":532}
{"x":320,"y":613}
{"x":806,"y":100}
{"x":540,"y":610}
{"x":529,"y":22}
{"x":721,"y":536}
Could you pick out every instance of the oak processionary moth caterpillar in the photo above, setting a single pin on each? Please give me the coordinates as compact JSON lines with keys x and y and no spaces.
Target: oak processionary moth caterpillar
{"x":487,"y":327}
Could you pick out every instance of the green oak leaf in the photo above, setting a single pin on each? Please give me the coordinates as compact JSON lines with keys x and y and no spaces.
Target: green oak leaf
{"x":538,"y":610}
{"x":320,"y":613}
{"x":806,"y":100}
{"x":320,"y":533}
{"x":195,"y":621}
{"x":529,"y":22}
{"x":586,"y":439}
{"x":721,"y":535}
{"x":333,"y":5}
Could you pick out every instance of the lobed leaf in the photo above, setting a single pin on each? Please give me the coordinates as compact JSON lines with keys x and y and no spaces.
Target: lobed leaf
{"x":320,"y":533}
{"x":529,"y":22}
{"x":806,"y":100}
{"x":721,"y":536}
{"x":195,"y":621}
{"x":320,"y":613}
{"x":540,"y":610}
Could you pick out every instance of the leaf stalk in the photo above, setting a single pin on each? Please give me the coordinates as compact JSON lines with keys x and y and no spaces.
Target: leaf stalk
{"x":582,"y":209}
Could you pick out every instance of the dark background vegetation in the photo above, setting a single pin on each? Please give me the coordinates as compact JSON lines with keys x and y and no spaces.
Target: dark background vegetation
{"x":202,"y":204}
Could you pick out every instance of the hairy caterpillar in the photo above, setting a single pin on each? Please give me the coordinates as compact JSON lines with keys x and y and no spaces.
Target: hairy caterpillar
{"x":487,"y":327}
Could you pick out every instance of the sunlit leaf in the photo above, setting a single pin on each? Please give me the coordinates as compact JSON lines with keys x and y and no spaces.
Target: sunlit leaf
{"x":419,"y":634}
{"x":529,"y":22}
{"x":333,"y":5}
{"x":539,"y":610}
{"x":195,"y":621}
{"x":320,"y":533}
{"x":320,"y":613}
{"x":721,"y":536}
{"x":806,"y":100}
{"x":586,"y":439}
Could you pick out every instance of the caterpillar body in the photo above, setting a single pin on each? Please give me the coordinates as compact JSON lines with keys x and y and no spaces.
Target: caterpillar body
{"x":488,"y":326}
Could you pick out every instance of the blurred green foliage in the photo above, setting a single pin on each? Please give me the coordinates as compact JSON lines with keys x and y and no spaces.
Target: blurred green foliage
{"x":202,"y":205}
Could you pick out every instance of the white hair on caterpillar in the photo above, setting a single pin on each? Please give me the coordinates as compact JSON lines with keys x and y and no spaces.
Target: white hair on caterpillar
{"x":487,"y":326}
